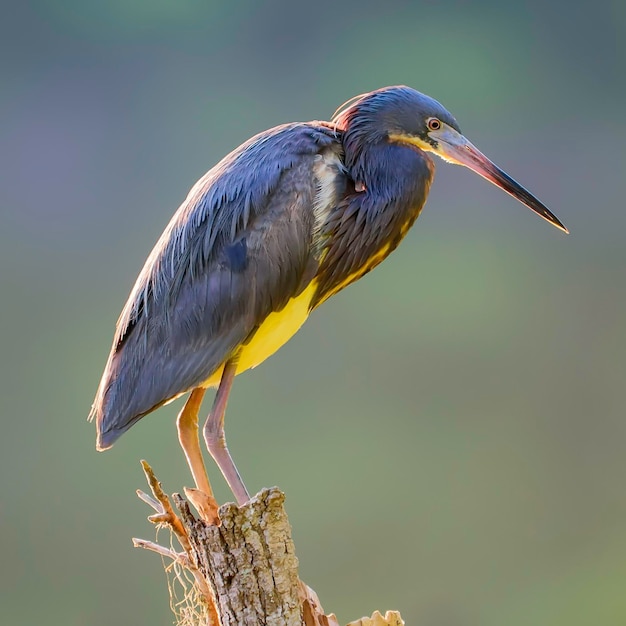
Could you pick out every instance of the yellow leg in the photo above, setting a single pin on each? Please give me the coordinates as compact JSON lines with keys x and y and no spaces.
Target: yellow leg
{"x":187,"y":424}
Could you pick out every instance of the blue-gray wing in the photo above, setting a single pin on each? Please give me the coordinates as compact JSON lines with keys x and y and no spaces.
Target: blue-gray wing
{"x":239,"y":247}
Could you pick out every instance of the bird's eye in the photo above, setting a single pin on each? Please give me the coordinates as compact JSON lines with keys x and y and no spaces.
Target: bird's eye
{"x":434,"y":124}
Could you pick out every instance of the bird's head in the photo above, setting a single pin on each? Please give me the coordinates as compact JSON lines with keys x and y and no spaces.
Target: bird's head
{"x":402,"y":115}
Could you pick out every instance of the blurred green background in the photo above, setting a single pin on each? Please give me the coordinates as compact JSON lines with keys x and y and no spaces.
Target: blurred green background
{"x":450,"y":432}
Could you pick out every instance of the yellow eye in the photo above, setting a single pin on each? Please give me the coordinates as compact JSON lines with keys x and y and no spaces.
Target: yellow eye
{"x":433,"y":123}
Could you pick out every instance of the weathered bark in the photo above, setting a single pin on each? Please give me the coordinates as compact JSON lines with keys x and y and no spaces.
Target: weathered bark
{"x":249,"y":561}
{"x":245,"y":570}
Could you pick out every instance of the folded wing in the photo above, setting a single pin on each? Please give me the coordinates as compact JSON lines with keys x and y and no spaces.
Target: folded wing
{"x":238,"y":249}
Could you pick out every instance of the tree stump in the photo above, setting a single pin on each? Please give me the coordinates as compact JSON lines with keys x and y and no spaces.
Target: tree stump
{"x":244,"y":571}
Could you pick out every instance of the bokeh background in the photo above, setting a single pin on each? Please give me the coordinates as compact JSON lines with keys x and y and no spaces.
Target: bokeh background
{"x":451,"y":431}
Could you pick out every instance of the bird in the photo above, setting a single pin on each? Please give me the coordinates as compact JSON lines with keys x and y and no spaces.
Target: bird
{"x":282,"y":223}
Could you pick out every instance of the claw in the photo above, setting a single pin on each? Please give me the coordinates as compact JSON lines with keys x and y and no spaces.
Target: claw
{"x":205,"y":504}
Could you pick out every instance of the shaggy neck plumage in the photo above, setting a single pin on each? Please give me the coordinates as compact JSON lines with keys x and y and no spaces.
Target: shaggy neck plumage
{"x":399,"y":173}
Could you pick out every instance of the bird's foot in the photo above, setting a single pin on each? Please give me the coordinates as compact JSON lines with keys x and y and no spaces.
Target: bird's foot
{"x":205,"y":504}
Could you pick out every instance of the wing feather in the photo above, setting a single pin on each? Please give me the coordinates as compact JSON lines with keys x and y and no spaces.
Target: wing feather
{"x":237,"y":249}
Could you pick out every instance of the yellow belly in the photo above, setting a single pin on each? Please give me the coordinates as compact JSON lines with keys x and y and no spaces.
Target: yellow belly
{"x":277,"y":329}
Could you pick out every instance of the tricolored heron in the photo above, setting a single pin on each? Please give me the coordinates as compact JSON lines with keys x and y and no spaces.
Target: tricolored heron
{"x":282,"y":223}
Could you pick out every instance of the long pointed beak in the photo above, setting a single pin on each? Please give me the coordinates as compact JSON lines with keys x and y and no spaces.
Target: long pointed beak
{"x":455,"y":148}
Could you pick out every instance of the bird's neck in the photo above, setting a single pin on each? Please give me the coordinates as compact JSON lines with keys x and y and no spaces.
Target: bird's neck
{"x":392,"y":173}
{"x":391,"y":183}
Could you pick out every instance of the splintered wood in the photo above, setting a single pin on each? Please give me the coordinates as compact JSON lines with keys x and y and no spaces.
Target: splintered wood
{"x":391,"y":618}
{"x":245,"y":569}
